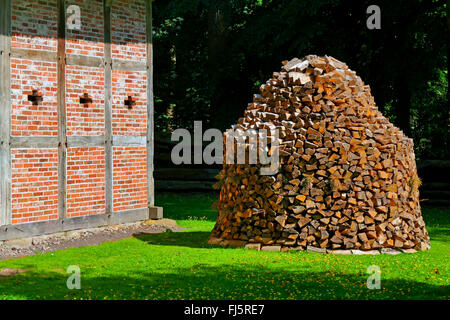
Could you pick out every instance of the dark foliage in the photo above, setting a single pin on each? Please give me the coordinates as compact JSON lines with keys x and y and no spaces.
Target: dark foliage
{"x":211,"y":56}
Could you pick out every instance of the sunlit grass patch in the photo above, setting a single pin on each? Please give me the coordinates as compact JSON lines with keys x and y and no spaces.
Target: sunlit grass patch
{"x":182,"y":265}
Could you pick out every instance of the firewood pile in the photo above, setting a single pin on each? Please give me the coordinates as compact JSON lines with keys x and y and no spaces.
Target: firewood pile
{"x":347,"y":181}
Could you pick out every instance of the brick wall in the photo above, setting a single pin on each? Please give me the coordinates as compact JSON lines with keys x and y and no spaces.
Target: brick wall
{"x":34,"y":24}
{"x":34,"y":171}
{"x":128,"y":121}
{"x":128,"y":30}
{"x":85,"y":181}
{"x":130,"y":178}
{"x":85,"y":119}
{"x":89,"y":39}
{"x":129,"y":163}
{"x":28,"y":119}
{"x":34,"y":185}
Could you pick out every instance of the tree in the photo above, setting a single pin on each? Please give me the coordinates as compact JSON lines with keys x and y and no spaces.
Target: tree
{"x":212,"y":56}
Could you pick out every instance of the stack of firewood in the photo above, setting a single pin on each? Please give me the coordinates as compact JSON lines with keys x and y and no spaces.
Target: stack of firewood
{"x":347,"y":180}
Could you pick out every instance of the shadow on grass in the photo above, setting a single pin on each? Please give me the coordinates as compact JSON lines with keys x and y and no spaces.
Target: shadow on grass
{"x":227,"y":281}
{"x":199,"y":239}
{"x":194,"y":239}
{"x":439,"y":234}
{"x":241,"y":279}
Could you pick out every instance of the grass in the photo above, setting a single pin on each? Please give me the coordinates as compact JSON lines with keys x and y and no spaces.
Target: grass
{"x":181,"y":265}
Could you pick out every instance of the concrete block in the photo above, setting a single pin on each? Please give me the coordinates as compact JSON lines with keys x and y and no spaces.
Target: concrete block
{"x":271,"y":248}
{"x":156,"y":213}
{"x":253,"y":246}
{"x":316,"y":249}
{"x":366,"y":252}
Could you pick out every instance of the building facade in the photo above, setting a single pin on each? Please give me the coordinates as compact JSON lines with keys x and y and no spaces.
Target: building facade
{"x":76,"y":115}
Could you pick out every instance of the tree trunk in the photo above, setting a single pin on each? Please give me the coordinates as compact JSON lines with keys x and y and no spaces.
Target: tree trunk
{"x":403,"y":105}
{"x":216,"y":47}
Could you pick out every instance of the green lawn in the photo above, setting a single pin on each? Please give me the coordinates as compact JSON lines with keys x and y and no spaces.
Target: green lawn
{"x":181,"y":265}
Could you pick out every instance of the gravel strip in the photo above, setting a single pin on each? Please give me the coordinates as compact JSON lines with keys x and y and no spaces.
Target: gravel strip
{"x":79,"y":238}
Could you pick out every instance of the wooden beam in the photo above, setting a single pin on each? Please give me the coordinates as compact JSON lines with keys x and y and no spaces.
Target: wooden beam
{"x":30,"y":142}
{"x":85,"y":61}
{"x":40,"y":228}
{"x":34,"y":142}
{"x":30,"y":54}
{"x":77,"y":59}
{"x":85,"y":141}
{"x":108,"y":107}
{"x":126,"y":65}
{"x":150,"y":106}
{"x":5,"y":111}
{"x":129,"y":141}
{"x":61,"y":102}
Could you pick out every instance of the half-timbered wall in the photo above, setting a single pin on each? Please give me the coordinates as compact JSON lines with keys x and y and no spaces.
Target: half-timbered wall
{"x":76,"y":115}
